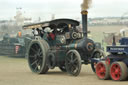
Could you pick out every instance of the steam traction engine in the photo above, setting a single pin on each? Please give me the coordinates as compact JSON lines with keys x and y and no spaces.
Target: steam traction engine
{"x":61,"y":45}
{"x":115,"y":65}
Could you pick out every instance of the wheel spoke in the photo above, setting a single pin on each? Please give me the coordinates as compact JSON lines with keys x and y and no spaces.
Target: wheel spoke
{"x":31,"y":56}
{"x":68,"y":59}
{"x":75,"y":59}
{"x":36,"y":68}
{"x":36,"y":46}
{"x":33,"y":50}
{"x":69,"y":66}
{"x":75,"y":66}
{"x":72,"y":70}
{"x":72,"y":56}
{"x":34,"y":62}
{"x":118,"y":68}
{"x":100,"y":66}
{"x":118,"y":75}
{"x":114,"y":68}
{"x":40,"y":52}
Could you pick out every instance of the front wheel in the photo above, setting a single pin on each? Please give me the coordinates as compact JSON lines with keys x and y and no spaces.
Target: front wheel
{"x":73,"y":62}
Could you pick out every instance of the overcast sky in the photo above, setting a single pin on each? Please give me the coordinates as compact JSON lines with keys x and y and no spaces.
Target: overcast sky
{"x":61,"y":8}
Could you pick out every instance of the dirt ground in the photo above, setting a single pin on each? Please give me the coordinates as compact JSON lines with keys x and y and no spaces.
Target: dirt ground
{"x":15,"y":71}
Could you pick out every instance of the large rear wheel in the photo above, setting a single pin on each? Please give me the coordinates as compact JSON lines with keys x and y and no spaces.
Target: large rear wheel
{"x":118,"y":71}
{"x":73,"y":62}
{"x":37,"y":53}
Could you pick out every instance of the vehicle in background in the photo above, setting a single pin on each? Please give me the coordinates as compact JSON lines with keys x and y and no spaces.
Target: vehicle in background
{"x":14,"y":46}
{"x":114,"y":65}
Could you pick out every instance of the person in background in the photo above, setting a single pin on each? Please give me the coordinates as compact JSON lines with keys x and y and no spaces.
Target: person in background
{"x":40,"y":32}
{"x":19,"y":34}
{"x":35,"y":33}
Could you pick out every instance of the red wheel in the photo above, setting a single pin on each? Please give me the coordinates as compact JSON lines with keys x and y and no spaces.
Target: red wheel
{"x":102,"y":70}
{"x":118,"y":71}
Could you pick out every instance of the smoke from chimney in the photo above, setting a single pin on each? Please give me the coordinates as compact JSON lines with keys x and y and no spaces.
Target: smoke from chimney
{"x":86,"y":5}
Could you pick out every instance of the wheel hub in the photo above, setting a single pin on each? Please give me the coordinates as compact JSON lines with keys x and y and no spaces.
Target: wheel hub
{"x":102,"y":69}
{"x":72,"y":62}
{"x":115,"y":72}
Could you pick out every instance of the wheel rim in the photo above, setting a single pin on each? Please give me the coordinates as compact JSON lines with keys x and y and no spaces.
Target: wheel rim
{"x":115,"y":72}
{"x":72,"y":63}
{"x":100,"y":70}
{"x":35,"y":57}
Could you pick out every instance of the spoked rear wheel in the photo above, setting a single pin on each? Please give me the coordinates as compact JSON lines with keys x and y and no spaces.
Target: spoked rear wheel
{"x":73,"y":62}
{"x":102,"y":70}
{"x":118,"y":71}
{"x":37,"y":57}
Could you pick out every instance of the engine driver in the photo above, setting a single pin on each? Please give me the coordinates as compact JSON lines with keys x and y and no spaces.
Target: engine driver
{"x":51,"y":35}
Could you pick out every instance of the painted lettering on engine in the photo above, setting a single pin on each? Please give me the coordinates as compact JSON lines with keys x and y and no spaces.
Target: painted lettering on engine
{"x":117,"y":49}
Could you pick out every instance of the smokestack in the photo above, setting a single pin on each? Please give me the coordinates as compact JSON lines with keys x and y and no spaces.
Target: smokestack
{"x":84,"y":6}
{"x":84,"y":22}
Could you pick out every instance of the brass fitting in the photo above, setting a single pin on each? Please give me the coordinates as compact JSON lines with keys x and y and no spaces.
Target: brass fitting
{"x":84,"y":12}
